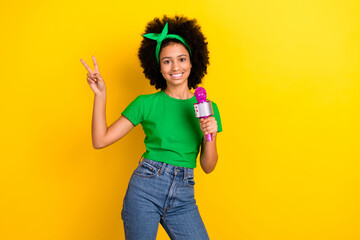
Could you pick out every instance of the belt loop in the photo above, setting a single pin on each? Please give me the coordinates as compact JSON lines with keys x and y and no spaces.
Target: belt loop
{"x":162,"y":168}
{"x":185,"y":173}
{"x":140,"y":159}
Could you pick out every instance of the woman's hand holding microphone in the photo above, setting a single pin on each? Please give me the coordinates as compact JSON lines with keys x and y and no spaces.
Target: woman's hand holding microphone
{"x":209,"y":126}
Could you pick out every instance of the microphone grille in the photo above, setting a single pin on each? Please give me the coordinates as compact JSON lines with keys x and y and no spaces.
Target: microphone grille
{"x":200,"y":94}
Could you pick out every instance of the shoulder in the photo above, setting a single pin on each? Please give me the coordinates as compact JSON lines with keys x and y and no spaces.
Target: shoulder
{"x":144,"y":97}
{"x":152,"y":98}
{"x":214,"y":105}
{"x":151,"y":95}
{"x":216,"y":110}
{"x":145,"y":100}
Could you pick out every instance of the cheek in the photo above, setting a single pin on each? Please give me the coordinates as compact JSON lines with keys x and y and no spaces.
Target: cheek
{"x":164,"y":72}
{"x":164,"y":68}
{"x":189,"y":69}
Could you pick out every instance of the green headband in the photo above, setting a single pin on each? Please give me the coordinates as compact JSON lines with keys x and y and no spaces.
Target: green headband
{"x":159,"y":37}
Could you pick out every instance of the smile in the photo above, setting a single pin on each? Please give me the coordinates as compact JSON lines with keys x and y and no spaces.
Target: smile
{"x":176,"y":75}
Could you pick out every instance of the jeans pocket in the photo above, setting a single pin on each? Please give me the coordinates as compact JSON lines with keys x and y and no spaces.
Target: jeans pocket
{"x":145,"y":169}
{"x":190,"y":182}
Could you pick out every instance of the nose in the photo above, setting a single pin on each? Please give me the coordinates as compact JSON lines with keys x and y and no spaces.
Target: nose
{"x":175,"y":66}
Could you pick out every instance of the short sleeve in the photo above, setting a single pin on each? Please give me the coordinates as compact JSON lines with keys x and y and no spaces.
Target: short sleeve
{"x":135,"y":111}
{"x":217,"y":116}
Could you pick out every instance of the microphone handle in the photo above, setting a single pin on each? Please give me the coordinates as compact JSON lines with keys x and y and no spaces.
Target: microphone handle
{"x":208,"y":136}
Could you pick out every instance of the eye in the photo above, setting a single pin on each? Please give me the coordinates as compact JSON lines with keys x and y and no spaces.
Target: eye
{"x":166,"y":61}
{"x":182,"y":59}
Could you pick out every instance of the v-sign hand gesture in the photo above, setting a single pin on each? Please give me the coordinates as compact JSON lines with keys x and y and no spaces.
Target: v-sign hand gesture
{"x":94,"y":78}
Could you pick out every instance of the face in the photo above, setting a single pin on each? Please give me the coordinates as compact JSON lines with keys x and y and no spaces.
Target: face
{"x":175,"y":64}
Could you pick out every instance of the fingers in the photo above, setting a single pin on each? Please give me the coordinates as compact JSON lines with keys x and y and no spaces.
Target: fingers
{"x":95,"y":64}
{"x":94,"y":77}
{"x":96,"y":67}
{"x":207,"y":120}
{"x":86,"y":66}
{"x":208,"y":125}
{"x":90,"y":80}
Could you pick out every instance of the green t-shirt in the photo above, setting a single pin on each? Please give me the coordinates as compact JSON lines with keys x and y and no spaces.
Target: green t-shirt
{"x":173,"y":133}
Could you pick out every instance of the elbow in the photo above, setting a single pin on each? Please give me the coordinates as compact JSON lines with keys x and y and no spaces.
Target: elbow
{"x":208,"y":166}
{"x":208,"y":169}
{"x":98,"y":142}
{"x":97,"y":145}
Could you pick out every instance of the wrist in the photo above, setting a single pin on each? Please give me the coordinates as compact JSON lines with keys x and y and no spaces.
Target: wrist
{"x":100,"y":94}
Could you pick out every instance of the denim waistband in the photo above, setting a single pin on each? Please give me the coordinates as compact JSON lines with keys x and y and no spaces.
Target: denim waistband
{"x":172,"y":169}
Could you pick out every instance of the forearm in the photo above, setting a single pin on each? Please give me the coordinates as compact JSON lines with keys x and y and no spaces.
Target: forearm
{"x":208,"y":156}
{"x":99,"y":125}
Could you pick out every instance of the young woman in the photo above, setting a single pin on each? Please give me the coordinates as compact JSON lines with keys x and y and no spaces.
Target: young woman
{"x":174,"y":57}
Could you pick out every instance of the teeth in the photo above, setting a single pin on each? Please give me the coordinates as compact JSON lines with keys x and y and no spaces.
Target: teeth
{"x":177,"y":75}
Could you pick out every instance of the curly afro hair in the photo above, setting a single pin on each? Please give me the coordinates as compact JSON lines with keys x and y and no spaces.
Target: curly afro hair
{"x":190,"y":30}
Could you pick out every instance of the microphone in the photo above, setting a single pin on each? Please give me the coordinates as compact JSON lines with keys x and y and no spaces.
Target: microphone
{"x":203,"y":107}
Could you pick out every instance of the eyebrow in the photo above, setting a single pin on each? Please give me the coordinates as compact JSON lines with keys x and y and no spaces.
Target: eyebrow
{"x":181,"y":55}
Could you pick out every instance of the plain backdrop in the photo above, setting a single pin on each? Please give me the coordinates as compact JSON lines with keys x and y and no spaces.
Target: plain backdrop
{"x":284,"y":74}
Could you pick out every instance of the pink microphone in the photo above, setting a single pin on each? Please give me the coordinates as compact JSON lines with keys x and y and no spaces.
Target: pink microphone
{"x":203,"y":108}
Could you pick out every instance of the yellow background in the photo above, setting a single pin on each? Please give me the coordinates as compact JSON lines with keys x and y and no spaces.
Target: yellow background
{"x":285,"y":75}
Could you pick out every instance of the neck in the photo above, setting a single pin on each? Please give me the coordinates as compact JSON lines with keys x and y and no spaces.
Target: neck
{"x":178,"y":92}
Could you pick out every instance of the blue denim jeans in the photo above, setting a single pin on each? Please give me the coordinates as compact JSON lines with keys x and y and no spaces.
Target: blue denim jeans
{"x":161,"y":193}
